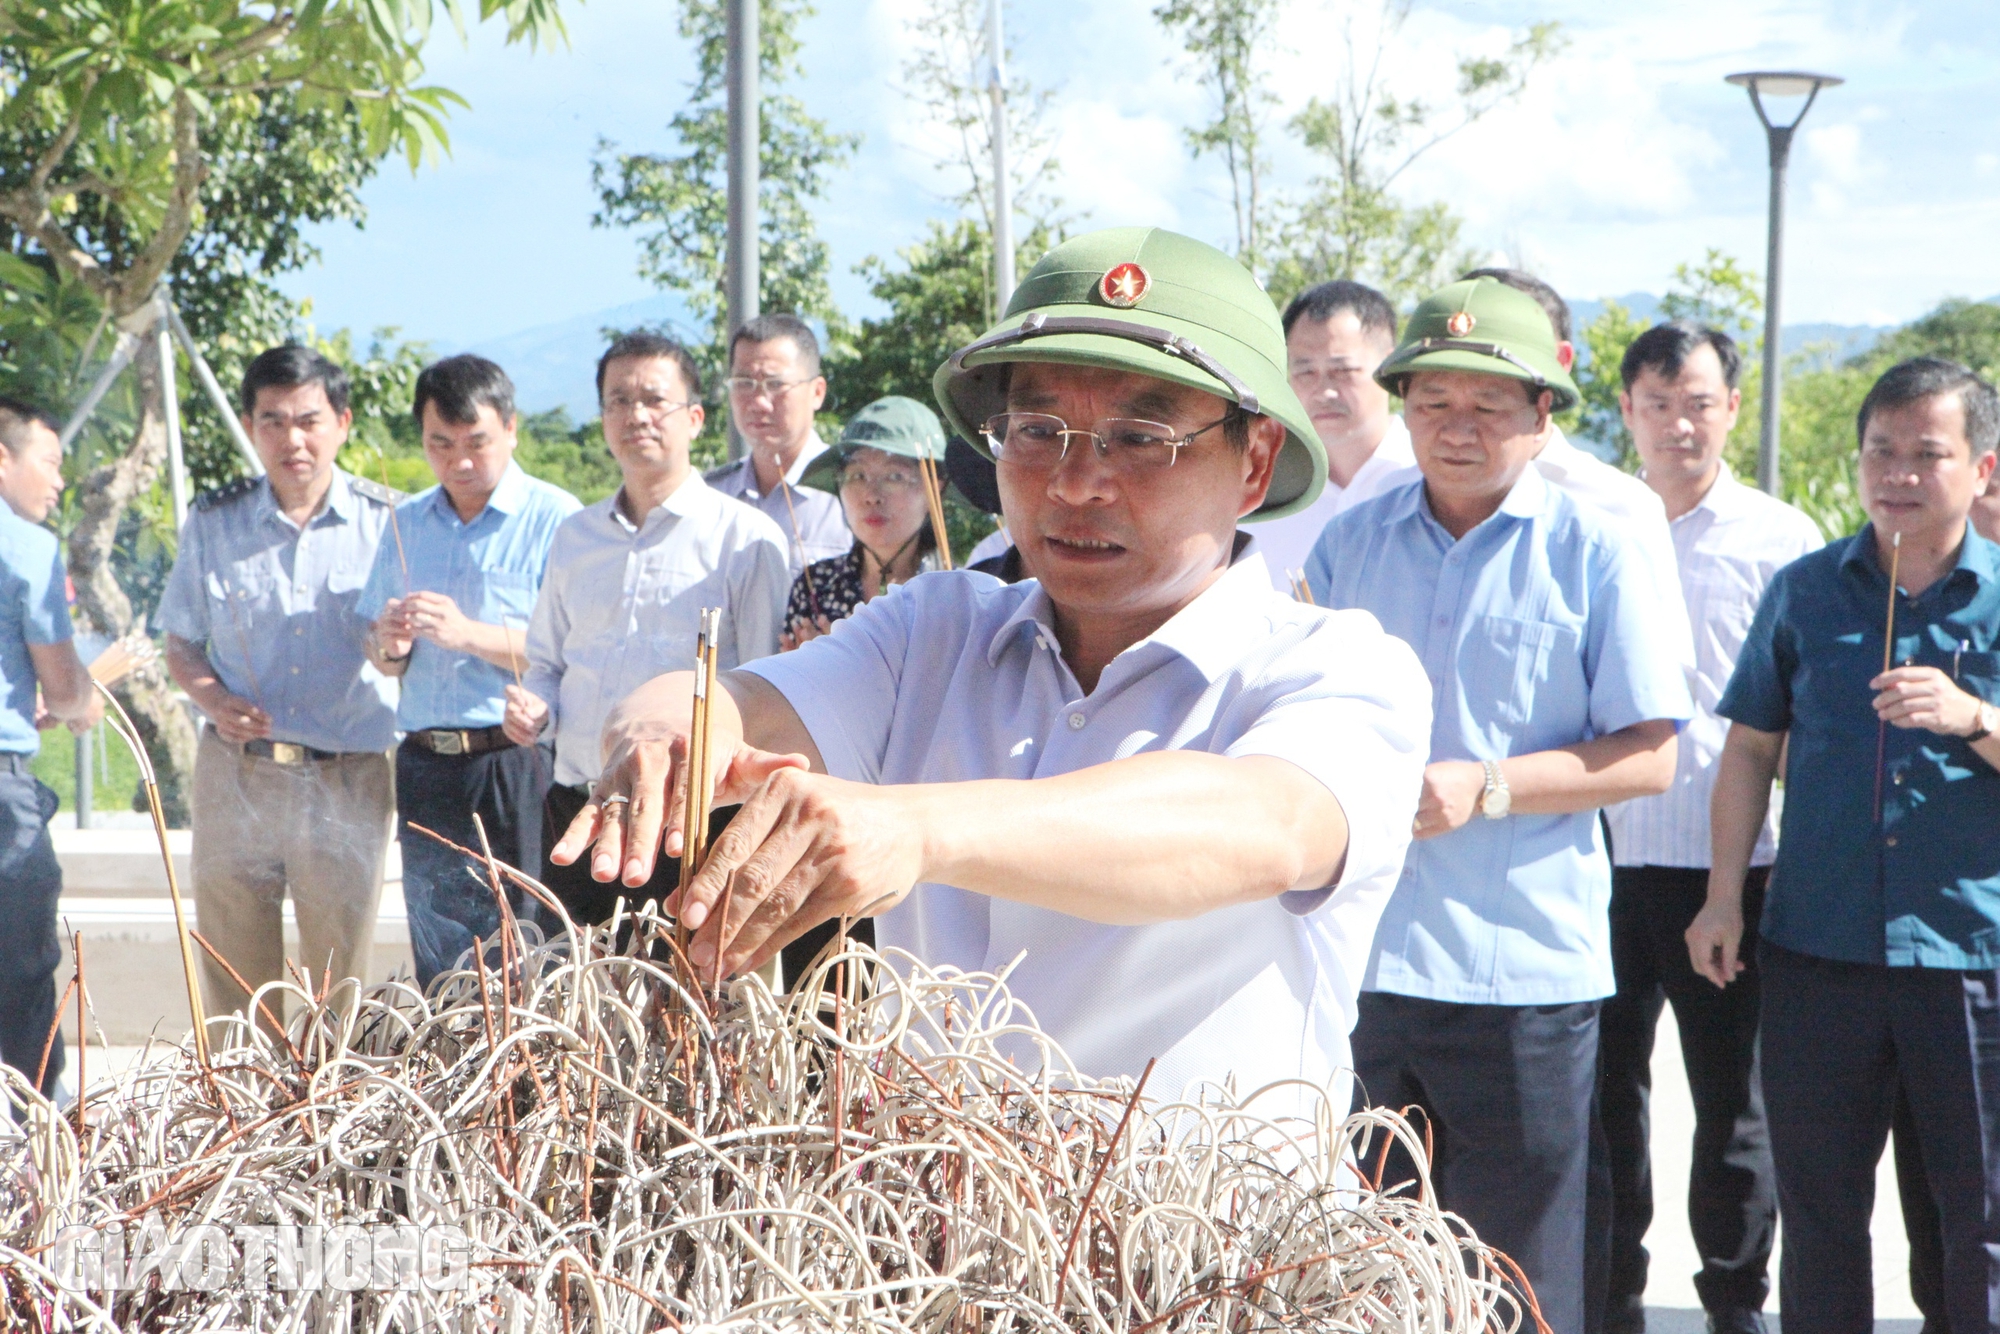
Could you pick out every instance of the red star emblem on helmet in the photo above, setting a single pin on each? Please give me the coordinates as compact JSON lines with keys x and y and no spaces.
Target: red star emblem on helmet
{"x":1124,"y":285}
{"x":1460,"y":324}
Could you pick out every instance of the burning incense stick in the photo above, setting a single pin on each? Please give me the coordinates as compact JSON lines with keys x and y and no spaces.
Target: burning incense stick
{"x":799,"y":540}
{"x":121,"y":723}
{"x":122,"y":657}
{"x":1888,"y":660}
{"x":382,"y":460}
{"x":697,"y":786}
{"x":1301,"y":590}
{"x":934,"y":498}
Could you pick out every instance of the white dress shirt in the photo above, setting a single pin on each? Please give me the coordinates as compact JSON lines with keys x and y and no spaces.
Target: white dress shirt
{"x":622,"y":604}
{"x":811,"y":519}
{"x":1626,"y":498}
{"x":1287,"y":542}
{"x":957,"y":676}
{"x":1728,"y":547}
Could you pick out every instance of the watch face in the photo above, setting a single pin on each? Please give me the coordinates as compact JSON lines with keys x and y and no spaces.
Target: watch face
{"x":1496,"y":803}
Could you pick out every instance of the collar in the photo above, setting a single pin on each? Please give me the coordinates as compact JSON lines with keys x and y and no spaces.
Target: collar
{"x":508,"y":497}
{"x":1976,"y":556}
{"x":1526,"y":499}
{"x":1209,"y":632}
{"x":691,"y":495}
{"x":337,"y":505}
{"x":813,"y":449}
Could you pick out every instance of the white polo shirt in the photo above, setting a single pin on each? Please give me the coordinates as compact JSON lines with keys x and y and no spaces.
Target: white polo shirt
{"x":957,"y":677}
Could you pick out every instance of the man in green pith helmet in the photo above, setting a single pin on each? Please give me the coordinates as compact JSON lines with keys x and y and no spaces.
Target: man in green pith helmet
{"x":1541,"y":627}
{"x":1180,"y":796}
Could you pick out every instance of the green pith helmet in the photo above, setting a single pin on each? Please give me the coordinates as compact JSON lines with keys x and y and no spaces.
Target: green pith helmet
{"x":1156,"y":303}
{"x":1481,"y":325}
{"x":894,"y":425}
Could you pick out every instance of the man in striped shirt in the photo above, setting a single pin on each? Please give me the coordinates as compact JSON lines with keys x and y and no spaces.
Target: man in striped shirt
{"x":1680,"y":402}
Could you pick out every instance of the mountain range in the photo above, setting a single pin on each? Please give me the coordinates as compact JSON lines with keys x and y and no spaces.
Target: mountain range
{"x":555,"y":365}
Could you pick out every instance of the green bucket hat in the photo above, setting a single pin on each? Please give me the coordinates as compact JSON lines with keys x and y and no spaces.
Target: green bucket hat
{"x":1156,"y":303}
{"x":894,"y":425}
{"x":1481,"y":325}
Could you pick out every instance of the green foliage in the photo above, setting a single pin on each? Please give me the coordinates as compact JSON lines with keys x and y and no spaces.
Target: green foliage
{"x":1964,"y":331}
{"x":572,"y":457}
{"x":680,"y":200}
{"x":1719,"y":293}
{"x":113,"y":788}
{"x":1226,"y":39}
{"x":1596,"y":415}
{"x":1350,"y":223}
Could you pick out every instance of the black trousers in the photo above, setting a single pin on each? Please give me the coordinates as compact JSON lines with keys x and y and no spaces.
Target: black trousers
{"x":30,"y":889}
{"x":1507,"y":1092}
{"x":445,"y":893}
{"x":1839,"y":1040}
{"x":1732,"y":1189}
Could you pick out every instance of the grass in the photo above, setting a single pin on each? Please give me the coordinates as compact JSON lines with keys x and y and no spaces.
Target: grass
{"x":56,"y":766}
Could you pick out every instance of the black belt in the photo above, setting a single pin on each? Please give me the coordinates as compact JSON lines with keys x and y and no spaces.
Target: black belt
{"x":289,"y":752}
{"x":14,"y":762}
{"x":460,"y":741}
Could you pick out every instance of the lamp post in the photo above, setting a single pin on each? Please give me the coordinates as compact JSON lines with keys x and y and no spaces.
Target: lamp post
{"x":741,"y":285}
{"x":1762,"y":84}
{"x":1003,"y":203}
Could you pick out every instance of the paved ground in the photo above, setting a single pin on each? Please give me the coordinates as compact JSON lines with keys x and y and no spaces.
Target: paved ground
{"x":1672,"y":1305}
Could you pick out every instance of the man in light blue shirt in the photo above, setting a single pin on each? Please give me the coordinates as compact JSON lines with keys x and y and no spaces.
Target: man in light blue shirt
{"x":451,"y":604}
{"x":35,"y":650}
{"x":292,"y":783}
{"x":1556,"y":691}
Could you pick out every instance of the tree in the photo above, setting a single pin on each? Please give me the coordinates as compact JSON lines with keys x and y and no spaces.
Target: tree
{"x":1350,"y":223}
{"x":122,"y":120}
{"x":1964,"y":331}
{"x":942,"y":79}
{"x":682,"y":199}
{"x":1226,"y":39}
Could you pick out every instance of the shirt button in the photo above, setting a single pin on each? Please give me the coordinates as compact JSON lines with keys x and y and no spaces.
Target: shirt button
{"x":1076,"y":722}
{"x":1891,"y":840}
{"x":1898,"y":779}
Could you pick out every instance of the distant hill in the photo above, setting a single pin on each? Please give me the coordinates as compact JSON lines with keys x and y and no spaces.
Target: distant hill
{"x":1840,"y":340}
{"x":555,"y":365}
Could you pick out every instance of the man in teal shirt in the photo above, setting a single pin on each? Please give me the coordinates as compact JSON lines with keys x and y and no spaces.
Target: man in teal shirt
{"x":35,"y":650}
{"x":1880,"y":947}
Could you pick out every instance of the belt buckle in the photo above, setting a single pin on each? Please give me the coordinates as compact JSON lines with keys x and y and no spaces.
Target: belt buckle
{"x":288,"y":752}
{"x":451,"y":743}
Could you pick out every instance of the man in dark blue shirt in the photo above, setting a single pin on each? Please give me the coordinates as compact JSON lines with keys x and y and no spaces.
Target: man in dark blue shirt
{"x":1881,"y":925}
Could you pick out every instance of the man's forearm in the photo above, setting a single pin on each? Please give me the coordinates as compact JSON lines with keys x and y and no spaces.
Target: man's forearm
{"x":1736,"y":811}
{"x":1636,"y":761}
{"x":504,"y":647}
{"x":1157,"y":837}
{"x":191,"y":670}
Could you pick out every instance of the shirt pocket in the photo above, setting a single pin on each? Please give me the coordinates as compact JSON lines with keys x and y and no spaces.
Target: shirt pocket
{"x":1515,"y":665}
{"x":507,"y":597}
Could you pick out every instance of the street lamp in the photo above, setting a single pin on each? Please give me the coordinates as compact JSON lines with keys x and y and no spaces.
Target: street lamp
{"x":1762,"y":84}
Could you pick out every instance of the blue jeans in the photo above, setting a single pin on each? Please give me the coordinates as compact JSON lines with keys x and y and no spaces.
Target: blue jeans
{"x":30,"y":887}
{"x":446,"y":895}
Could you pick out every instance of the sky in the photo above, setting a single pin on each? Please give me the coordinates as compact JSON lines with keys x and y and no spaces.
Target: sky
{"x":1626,"y":156}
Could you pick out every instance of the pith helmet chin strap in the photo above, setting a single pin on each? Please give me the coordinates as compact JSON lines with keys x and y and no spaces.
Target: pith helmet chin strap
{"x":1042,"y":326}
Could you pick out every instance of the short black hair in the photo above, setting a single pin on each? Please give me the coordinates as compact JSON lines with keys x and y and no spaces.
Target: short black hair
{"x":641,"y":344}
{"x":289,"y":367}
{"x":1928,"y":377}
{"x":1666,"y":348}
{"x":1327,"y":300}
{"x":764,"y":328}
{"x":16,"y":415}
{"x":460,"y":385}
{"x":1545,"y":296}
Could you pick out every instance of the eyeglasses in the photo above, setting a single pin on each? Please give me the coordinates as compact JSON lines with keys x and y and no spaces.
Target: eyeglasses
{"x":1126,"y":444}
{"x":771,"y":387}
{"x":657,"y":405}
{"x":894,"y":479}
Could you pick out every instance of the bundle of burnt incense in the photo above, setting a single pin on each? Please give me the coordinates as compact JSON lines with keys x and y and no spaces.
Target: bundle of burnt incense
{"x":122,"y":657}
{"x":587,"y":1136}
{"x":934,"y":501}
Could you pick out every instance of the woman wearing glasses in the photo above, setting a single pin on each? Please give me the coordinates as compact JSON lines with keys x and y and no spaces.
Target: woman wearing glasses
{"x":875,"y":473}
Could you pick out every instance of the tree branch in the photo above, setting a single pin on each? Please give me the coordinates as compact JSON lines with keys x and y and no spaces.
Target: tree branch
{"x":178,"y":219}
{"x":59,"y":147}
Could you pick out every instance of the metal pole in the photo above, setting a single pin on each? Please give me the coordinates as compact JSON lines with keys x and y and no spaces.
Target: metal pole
{"x":170,"y":402}
{"x":210,"y":386}
{"x":1003,"y":201}
{"x":1774,"y":263}
{"x":121,"y":357}
{"x":741,"y":285}
{"x":84,"y":796}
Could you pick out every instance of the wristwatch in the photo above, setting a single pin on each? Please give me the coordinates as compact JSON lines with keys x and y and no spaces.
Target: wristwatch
{"x":1986,"y":720}
{"x":1497,"y":799}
